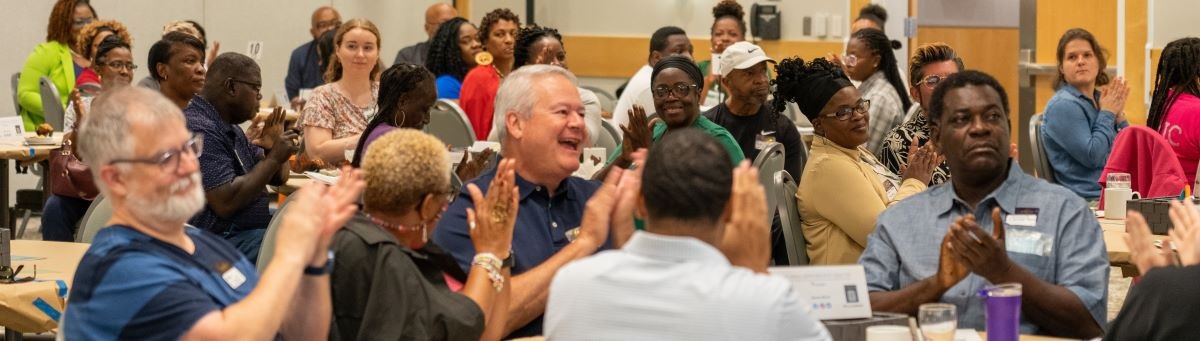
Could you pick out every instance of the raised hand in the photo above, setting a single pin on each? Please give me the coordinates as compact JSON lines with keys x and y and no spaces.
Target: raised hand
{"x":629,"y":189}
{"x":491,"y":221}
{"x":598,"y":212}
{"x":950,"y":269}
{"x":1142,"y":251}
{"x":467,"y":170}
{"x":747,"y":240}
{"x":1185,"y":236}
{"x":1113,"y":96}
{"x":271,"y":130}
{"x":638,"y":133}
{"x":982,"y":253}
{"x":314,"y":215}
{"x":922,"y":161}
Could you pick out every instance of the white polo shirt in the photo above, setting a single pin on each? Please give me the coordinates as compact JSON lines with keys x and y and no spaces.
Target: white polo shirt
{"x":673,"y":288}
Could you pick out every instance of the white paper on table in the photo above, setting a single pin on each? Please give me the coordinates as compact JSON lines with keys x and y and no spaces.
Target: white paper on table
{"x":479,"y":146}
{"x":967,"y":335}
{"x":833,"y":292}
{"x":328,"y":180}
{"x":12,"y":130}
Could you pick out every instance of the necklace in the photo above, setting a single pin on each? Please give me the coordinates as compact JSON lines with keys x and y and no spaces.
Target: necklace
{"x":498,"y":73}
{"x":398,"y":227}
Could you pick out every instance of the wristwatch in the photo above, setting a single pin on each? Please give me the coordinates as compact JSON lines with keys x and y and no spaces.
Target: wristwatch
{"x":509,"y":261}
{"x":320,"y":270}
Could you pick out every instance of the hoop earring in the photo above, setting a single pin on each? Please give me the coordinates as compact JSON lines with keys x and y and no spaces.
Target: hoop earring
{"x":403,"y":119}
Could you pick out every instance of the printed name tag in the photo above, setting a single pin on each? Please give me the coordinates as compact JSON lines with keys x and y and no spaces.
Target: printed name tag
{"x":1022,"y":217}
{"x":234,"y":277}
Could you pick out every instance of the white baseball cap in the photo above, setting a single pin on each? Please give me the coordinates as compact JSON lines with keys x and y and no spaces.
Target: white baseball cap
{"x":742,"y":55}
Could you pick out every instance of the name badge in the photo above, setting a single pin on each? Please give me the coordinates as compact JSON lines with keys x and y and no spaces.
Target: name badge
{"x":1022,"y":217}
{"x":233,"y":277}
{"x":1029,"y":242}
{"x":764,"y":139}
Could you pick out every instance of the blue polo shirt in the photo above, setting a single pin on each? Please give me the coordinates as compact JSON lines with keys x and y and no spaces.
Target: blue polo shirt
{"x":130,"y":286}
{"x":227,"y":155}
{"x":540,"y":231}
{"x":1078,"y":137}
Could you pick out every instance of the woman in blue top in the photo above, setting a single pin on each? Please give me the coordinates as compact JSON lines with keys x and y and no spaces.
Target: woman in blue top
{"x":1083,"y":117}
{"x":452,"y":54}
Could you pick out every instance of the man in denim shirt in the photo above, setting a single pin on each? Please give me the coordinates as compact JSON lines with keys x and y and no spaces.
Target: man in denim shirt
{"x":991,"y":224}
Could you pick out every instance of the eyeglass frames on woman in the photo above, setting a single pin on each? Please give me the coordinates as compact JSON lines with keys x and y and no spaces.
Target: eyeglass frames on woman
{"x":116,"y":65}
{"x":849,"y":60}
{"x":169,"y":160}
{"x":845,"y":113}
{"x":680,"y":90}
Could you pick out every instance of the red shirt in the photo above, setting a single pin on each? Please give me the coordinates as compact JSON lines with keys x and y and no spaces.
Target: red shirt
{"x":478,"y":98}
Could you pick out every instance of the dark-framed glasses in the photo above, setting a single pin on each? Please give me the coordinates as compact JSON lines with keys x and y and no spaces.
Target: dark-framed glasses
{"x":256,"y":86}
{"x":8,"y":275}
{"x":845,"y":113}
{"x":680,"y":90}
{"x":169,"y":160}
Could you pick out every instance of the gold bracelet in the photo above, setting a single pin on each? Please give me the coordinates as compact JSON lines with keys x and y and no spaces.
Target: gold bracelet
{"x":492,"y":265}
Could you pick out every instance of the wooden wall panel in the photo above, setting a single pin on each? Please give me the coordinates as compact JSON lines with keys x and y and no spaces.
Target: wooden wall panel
{"x":1135,"y":58}
{"x":620,"y":57}
{"x":991,"y":50}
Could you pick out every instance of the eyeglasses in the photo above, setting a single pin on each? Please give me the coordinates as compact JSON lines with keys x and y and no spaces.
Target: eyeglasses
{"x":321,"y":25}
{"x":932,"y":81}
{"x":844,"y":114}
{"x":680,"y":90}
{"x":849,"y":60}
{"x":116,"y":65}
{"x":169,"y":160}
{"x":256,"y":86}
{"x":8,"y":275}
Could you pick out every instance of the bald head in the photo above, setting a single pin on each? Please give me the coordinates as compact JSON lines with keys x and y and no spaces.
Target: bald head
{"x":437,"y":14}
{"x":323,"y":19}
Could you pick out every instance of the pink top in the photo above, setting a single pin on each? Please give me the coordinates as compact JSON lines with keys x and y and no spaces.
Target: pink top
{"x":1181,"y":128}
{"x":329,"y":108}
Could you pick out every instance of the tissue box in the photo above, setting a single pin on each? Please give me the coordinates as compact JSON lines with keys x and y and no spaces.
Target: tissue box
{"x":856,"y":329}
{"x":1155,"y":211}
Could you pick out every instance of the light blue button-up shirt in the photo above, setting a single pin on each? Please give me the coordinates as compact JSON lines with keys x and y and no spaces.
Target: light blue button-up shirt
{"x":1078,"y":137}
{"x":1065,"y":246}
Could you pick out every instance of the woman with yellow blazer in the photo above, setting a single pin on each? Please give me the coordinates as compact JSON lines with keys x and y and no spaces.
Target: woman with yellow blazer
{"x":54,"y":59}
{"x":843,"y":187}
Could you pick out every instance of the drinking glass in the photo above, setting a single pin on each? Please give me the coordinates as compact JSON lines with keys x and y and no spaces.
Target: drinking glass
{"x":938,"y":321}
{"x":1118,"y":180}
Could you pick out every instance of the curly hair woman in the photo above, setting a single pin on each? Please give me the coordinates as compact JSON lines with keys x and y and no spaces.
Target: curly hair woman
{"x":451,"y":54}
{"x":50,"y":59}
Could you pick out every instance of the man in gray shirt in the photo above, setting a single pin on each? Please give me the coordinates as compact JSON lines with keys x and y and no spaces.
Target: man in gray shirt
{"x":947,"y":243}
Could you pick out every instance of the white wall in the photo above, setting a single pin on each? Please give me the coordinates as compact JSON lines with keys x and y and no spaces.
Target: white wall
{"x":641,"y":17}
{"x":1173,"y":19}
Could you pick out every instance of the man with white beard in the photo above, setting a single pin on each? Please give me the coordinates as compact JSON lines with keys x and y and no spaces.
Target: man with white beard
{"x":148,"y":275}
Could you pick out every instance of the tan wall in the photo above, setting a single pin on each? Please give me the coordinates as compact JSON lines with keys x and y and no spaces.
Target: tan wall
{"x":991,"y":50}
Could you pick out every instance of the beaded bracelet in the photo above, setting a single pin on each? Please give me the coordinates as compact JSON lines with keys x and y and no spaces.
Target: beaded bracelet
{"x":492,"y":265}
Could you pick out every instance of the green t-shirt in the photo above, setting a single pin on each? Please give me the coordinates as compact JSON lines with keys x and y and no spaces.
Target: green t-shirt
{"x":702,"y":123}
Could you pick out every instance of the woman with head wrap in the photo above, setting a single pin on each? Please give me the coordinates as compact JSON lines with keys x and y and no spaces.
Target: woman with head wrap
{"x":675,"y":84}
{"x":843,"y":187}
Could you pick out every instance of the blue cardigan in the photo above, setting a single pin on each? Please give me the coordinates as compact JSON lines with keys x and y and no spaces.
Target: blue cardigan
{"x":1078,"y":137}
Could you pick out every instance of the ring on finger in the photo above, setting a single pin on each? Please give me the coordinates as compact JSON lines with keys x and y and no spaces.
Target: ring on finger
{"x":471,"y":224}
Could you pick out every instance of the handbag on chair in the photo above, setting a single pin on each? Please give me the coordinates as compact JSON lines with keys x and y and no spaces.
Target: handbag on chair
{"x":69,"y":176}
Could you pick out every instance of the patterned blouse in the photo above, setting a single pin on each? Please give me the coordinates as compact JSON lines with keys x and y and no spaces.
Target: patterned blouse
{"x":894,"y":154}
{"x":328,"y":108}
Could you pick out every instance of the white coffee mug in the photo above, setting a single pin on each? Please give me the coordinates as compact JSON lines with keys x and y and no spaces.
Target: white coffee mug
{"x":1114,"y":201}
{"x":888,"y":333}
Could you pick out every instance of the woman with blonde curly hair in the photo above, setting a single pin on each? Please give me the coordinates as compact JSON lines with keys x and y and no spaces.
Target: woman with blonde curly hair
{"x":389,"y":282}
{"x":87,"y":41}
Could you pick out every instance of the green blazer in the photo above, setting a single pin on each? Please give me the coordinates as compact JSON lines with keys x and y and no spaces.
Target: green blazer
{"x":53,"y":60}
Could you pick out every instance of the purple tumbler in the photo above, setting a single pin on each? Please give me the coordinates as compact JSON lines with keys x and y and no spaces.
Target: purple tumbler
{"x":1003,"y":311}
